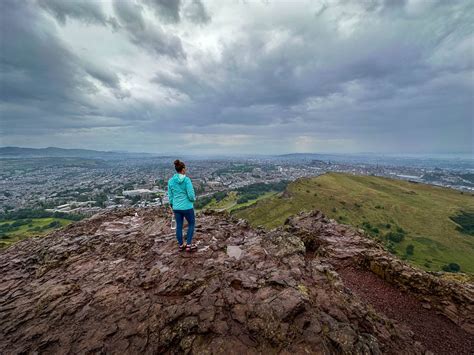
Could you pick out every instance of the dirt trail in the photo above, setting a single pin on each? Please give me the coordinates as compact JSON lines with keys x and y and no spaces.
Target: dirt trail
{"x":436,"y":332}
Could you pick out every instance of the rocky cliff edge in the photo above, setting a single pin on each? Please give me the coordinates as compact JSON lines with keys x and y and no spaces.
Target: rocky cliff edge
{"x":116,"y":283}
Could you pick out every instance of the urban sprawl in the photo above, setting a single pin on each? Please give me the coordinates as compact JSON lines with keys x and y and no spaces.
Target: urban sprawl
{"x":87,"y":186}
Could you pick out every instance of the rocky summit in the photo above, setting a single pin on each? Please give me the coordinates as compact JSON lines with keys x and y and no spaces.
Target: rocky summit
{"x":116,"y":283}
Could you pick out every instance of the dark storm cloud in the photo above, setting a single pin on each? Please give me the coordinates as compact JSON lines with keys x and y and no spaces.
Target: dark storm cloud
{"x":105,"y":76}
{"x":108,"y":78}
{"x":34,"y":64}
{"x":87,"y":11}
{"x":372,"y":75}
{"x":44,"y":85}
{"x":130,"y":19}
{"x":130,"y":15}
{"x":150,"y":37}
{"x":174,"y":10}
{"x":166,"y":9}
{"x":196,"y":12}
{"x":249,"y":78}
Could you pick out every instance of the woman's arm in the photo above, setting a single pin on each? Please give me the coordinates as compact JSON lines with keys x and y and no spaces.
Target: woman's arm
{"x":170,"y":195}
{"x":190,"y":190}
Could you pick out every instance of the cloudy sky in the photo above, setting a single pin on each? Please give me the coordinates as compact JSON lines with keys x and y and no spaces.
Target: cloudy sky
{"x":193,"y":76}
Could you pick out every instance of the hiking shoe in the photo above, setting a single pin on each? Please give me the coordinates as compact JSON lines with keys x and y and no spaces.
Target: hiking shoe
{"x":191,"y":248}
{"x":181,"y":247}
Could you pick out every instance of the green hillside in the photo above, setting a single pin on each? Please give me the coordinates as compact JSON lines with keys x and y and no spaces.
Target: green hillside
{"x":12,"y":231}
{"x":427,"y":225}
{"x":241,"y":197}
{"x":230,"y":201}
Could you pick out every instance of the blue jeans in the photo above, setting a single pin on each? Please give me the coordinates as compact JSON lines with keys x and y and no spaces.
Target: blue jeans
{"x":180,"y":215}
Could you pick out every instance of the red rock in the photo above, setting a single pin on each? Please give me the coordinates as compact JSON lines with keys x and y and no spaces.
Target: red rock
{"x":115,"y":283}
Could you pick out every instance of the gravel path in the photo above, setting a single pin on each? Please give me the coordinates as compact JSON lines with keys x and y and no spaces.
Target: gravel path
{"x":436,"y":332}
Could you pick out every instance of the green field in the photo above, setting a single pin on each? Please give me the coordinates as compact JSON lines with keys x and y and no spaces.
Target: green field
{"x":389,"y":210}
{"x":36,"y":226}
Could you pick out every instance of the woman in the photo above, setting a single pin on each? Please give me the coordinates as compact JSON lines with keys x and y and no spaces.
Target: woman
{"x":181,"y":196}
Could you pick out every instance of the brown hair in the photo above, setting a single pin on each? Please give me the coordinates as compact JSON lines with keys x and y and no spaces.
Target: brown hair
{"x":179,"y":165}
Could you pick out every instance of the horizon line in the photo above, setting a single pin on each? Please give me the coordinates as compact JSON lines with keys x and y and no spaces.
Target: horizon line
{"x":247,"y":154}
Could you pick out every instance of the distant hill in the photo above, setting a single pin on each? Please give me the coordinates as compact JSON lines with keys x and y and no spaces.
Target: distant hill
{"x":18,"y":152}
{"x":398,"y":213}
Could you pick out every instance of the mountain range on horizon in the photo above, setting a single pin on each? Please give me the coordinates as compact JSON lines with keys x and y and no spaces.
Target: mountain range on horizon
{"x":65,"y":152}
{"x":15,"y":151}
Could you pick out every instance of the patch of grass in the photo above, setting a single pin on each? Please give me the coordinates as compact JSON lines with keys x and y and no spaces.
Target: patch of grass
{"x":248,"y":203}
{"x":222,"y":204}
{"x":241,"y":197}
{"x":19,"y":230}
{"x":231,"y":202}
{"x":421,"y":213}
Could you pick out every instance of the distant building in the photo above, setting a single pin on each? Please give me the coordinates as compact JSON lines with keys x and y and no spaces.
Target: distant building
{"x":83,"y":204}
{"x":137,"y":192}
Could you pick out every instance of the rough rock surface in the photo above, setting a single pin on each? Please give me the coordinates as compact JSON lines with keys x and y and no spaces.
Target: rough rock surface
{"x":341,"y":246}
{"x":116,"y":283}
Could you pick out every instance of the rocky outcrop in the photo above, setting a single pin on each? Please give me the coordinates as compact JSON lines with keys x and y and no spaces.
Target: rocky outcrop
{"x":116,"y":283}
{"x":342,"y":245}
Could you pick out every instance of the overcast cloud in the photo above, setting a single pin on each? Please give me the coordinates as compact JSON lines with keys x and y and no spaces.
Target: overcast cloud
{"x":193,"y":76}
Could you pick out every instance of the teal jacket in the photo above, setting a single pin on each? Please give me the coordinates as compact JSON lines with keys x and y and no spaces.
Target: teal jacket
{"x":181,"y":192}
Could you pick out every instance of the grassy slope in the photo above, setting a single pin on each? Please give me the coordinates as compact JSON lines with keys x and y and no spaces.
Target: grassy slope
{"x":422,"y":210}
{"x":23,"y":231}
{"x":229,"y":203}
{"x":251,"y":202}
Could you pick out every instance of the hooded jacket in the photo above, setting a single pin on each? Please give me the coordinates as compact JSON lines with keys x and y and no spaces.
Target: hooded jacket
{"x":181,"y":192}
